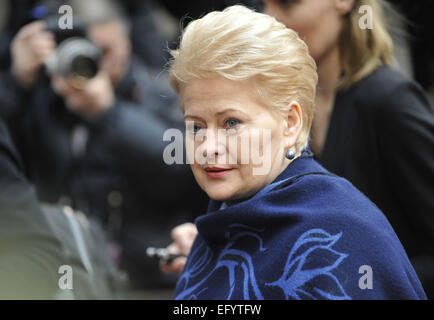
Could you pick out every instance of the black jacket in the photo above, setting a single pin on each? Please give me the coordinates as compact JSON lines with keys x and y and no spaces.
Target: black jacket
{"x":381,"y":138}
{"x":112,"y":168}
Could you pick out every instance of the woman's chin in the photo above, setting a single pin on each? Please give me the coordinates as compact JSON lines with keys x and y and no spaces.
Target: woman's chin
{"x":220,"y":194}
{"x":225,"y":196}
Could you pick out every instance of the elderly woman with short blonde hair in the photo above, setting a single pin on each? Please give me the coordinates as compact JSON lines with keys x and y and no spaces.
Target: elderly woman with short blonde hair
{"x":294,"y":230}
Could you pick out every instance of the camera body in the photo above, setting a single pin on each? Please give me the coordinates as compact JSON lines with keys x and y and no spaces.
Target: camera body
{"x":76,"y":57}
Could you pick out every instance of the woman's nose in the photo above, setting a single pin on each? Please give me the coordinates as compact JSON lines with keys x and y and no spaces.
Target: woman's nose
{"x":213,"y":146}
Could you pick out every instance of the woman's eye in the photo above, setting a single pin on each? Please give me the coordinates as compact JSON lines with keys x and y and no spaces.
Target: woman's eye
{"x":232,"y":123}
{"x":193,"y":127}
{"x":287,"y":3}
{"x":196,"y":128}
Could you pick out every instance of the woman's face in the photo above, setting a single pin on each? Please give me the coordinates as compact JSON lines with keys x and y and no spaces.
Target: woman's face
{"x":237,"y":142}
{"x":318,"y":23}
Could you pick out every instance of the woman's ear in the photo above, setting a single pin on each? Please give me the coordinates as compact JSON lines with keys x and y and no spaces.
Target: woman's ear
{"x":293,"y":121}
{"x":344,"y":6}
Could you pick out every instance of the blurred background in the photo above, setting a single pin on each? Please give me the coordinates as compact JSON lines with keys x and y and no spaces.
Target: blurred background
{"x":156,"y":26}
{"x":101,"y":152}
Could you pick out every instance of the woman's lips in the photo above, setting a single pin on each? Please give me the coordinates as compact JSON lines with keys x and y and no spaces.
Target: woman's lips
{"x":216,"y":172}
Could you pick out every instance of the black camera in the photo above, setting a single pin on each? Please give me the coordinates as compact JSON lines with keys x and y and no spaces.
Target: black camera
{"x":76,"y":57}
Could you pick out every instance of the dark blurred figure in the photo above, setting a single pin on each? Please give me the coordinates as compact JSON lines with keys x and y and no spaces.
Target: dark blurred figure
{"x":99,"y":148}
{"x":30,"y":255}
{"x":37,"y":241}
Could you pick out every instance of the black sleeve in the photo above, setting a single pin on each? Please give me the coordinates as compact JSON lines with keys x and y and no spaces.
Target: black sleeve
{"x":12,"y":96}
{"x":30,"y":255}
{"x":406,"y":144}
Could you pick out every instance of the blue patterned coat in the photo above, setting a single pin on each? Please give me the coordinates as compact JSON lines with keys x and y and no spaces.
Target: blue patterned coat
{"x":309,"y":235}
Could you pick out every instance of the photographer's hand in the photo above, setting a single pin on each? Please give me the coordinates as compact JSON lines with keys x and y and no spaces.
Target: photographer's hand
{"x":29,"y":49}
{"x":92,"y":100}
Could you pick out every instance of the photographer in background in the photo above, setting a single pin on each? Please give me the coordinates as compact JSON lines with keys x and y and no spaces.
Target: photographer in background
{"x":98,"y":147}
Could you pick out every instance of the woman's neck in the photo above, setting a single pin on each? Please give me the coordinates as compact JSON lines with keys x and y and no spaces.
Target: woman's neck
{"x":328,"y":76}
{"x":329,"y":70}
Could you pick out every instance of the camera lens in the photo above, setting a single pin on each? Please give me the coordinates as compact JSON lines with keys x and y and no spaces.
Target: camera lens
{"x":84,"y":66}
{"x":76,"y":57}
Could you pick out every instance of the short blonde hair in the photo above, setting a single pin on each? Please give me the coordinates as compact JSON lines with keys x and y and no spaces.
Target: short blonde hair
{"x":364,"y":50}
{"x":240,"y":44}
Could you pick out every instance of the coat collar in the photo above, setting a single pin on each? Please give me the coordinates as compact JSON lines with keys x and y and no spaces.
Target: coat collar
{"x":302,"y":165}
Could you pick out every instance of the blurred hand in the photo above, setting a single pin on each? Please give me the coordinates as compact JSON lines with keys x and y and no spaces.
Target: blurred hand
{"x":183,"y":237}
{"x":29,"y":49}
{"x":90,"y":101}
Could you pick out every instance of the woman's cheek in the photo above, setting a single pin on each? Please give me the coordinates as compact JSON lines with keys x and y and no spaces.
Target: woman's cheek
{"x":198,"y":174}
{"x":242,"y":151}
{"x":191,"y":146}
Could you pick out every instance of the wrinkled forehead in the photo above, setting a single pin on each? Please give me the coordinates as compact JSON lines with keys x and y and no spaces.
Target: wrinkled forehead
{"x":209,"y":93}
{"x":213,"y":98}
{"x":218,"y":87}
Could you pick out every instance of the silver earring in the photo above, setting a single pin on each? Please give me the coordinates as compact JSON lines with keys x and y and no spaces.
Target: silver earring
{"x":290,"y":154}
